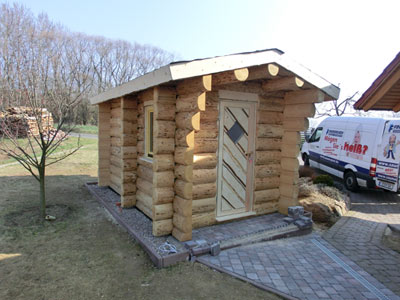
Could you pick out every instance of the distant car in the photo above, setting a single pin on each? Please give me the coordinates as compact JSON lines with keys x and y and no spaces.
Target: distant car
{"x":362,"y":151}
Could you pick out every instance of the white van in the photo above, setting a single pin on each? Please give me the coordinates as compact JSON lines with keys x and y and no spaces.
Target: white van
{"x":362,"y":151}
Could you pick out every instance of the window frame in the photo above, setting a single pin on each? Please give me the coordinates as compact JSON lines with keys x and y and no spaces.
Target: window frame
{"x":313,"y":138}
{"x":149,"y":131}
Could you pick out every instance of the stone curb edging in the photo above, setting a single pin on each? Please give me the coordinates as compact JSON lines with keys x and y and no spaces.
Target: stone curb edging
{"x":256,"y":284}
{"x":158,"y":260}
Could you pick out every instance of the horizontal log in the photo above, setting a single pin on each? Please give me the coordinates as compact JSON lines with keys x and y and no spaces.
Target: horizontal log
{"x":285,"y":202}
{"x":295,"y":124}
{"x":184,"y":138}
{"x":267,"y":183}
{"x":104,"y":107}
{"x":129,"y":164}
{"x":164,"y":129}
{"x":206,"y":190}
{"x":184,"y":172}
{"x":115,"y":103}
{"x":204,"y":205}
{"x":144,"y":198}
{"x":271,"y":104}
{"x":184,"y":189}
{"x":283,"y":84}
{"x":290,"y":164}
{"x":264,"y":144}
{"x":266,"y":195}
{"x":128,"y":152}
{"x":128,"y":140}
{"x":205,"y":145}
{"x":128,"y":188}
{"x":128,"y":201}
{"x":269,"y":117}
{"x":195,"y":84}
{"x":164,"y":111}
{"x":299,"y":111}
{"x":129,"y":177}
{"x":266,"y":157}
{"x":163,"y":162}
{"x":145,"y":173}
{"x":145,"y":186}
{"x":116,"y":113}
{"x":182,"y":206}
{"x":203,"y":219}
{"x":228,"y":77}
{"x":206,"y":133}
{"x":163,"y":146}
{"x":290,"y":138}
{"x":200,"y":176}
{"x":304,"y":97}
{"x":183,"y":155}
{"x":140,"y":147}
{"x":163,"y":211}
{"x":115,"y":131}
{"x":116,"y":141}
{"x":269,"y":131}
{"x":147,"y":95}
{"x":183,"y":223}
{"x":188,"y":120}
{"x":116,"y":171}
{"x":115,"y":187}
{"x":265,"y":208}
{"x":289,"y":190}
{"x":163,"y":195}
{"x":163,"y":179}
{"x":289,"y":177}
{"x":191,"y":102}
{"x":292,"y":151}
{"x":162,"y":227}
{"x":205,"y":160}
{"x":146,"y":162}
{"x":267,"y":170}
{"x":115,"y":161}
{"x":143,"y":208}
{"x":263,"y":72}
{"x":209,"y":116}
{"x":181,"y":236}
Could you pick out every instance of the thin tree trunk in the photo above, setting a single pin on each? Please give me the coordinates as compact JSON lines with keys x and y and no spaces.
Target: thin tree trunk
{"x":42,"y":180}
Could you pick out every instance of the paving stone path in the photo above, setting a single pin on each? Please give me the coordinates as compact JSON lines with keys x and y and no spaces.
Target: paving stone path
{"x":359,"y":235}
{"x":348,"y":262}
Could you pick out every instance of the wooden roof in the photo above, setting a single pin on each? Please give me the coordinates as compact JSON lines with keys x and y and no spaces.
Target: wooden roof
{"x":384,"y":93}
{"x":199,"y":67}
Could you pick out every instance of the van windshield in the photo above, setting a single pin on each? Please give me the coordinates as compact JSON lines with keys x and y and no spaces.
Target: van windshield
{"x":316,"y":135}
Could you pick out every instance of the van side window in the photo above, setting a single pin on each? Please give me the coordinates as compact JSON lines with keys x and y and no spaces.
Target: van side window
{"x":316,"y":135}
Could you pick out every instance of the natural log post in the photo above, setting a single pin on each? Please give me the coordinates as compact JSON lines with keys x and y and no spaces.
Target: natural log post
{"x":263,"y":72}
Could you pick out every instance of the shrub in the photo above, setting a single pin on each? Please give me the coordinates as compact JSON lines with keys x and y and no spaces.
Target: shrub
{"x":324,"y":179}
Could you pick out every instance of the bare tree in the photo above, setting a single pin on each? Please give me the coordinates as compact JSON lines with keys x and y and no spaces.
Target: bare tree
{"x":335,"y":107}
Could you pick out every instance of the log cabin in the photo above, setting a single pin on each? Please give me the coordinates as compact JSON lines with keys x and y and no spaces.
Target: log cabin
{"x":195,"y":143}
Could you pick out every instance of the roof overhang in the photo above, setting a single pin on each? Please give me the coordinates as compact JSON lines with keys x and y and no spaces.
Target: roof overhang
{"x":384,"y":93}
{"x":187,"y":69}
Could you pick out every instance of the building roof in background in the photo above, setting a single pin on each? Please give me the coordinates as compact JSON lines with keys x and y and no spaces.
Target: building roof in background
{"x":198,"y":67}
{"x":384,"y":93}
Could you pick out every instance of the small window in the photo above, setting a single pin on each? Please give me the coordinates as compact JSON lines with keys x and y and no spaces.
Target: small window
{"x":316,"y":135}
{"x":149,"y":121}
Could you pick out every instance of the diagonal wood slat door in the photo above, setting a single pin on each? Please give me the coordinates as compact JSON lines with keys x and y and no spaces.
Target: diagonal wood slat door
{"x":235,"y":165}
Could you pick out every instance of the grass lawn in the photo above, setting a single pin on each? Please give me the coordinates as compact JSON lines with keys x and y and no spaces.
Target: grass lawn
{"x":83,"y":255}
{"x":91,"y":129}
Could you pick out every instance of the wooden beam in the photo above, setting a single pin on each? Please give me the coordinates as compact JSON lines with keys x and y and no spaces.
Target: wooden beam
{"x":284,"y":83}
{"x":304,"y":97}
{"x":263,"y":72}
{"x":193,"y":85}
{"x":396,"y":108}
{"x":230,"y":76}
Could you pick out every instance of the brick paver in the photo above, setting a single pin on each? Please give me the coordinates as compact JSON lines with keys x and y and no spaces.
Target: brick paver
{"x":297,"y":267}
{"x":359,"y":234}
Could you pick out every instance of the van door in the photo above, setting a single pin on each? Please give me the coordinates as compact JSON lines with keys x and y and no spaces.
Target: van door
{"x":388,"y":157}
{"x":314,"y":147}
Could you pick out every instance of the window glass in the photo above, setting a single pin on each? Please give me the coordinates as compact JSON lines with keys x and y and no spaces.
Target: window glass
{"x":316,"y":135}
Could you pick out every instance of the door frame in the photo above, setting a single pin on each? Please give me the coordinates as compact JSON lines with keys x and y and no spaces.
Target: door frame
{"x":245,"y":100}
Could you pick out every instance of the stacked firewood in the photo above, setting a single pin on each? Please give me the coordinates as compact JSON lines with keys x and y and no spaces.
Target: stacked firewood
{"x":24,"y":121}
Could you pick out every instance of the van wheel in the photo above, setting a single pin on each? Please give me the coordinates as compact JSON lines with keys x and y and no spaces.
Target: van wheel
{"x":306,"y":159}
{"x":350,"y":181}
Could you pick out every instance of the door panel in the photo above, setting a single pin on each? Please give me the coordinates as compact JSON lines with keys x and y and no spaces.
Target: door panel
{"x":236,"y":156}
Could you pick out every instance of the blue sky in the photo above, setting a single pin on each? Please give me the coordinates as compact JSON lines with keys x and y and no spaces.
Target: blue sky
{"x":347,"y":42}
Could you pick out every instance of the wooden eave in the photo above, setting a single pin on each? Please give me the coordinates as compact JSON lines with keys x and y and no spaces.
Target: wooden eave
{"x":384,"y":93}
{"x":184,"y":70}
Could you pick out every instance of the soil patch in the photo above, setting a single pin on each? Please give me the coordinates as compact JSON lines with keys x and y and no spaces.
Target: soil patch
{"x":30,"y":216}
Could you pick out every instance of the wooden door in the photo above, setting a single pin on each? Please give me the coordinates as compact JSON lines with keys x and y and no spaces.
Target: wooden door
{"x":236,"y":155}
